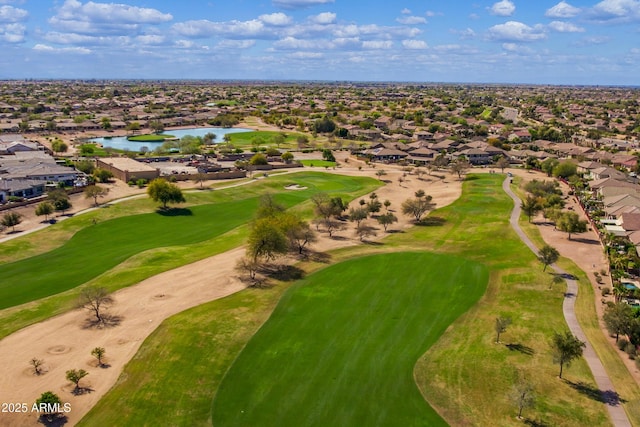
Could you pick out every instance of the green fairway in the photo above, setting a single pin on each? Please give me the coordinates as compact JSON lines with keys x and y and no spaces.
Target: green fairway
{"x":318,"y":163}
{"x":340,"y":347}
{"x":246,"y":139}
{"x":98,"y":248}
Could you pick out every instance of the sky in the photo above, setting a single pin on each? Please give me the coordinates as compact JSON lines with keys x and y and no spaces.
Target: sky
{"x":579,"y":42}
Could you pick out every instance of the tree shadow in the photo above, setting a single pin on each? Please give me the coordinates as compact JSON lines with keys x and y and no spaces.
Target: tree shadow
{"x":535,"y":423}
{"x":585,"y":240}
{"x":108,"y":321}
{"x":521,"y":348}
{"x":567,"y":276}
{"x":471,"y":178}
{"x":79,"y":391}
{"x":321,"y":257}
{"x":174,"y":212}
{"x":608,"y":397}
{"x":53,"y":420}
{"x":15,"y":232}
{"x":372,"y":243}
{"x":284,"y":273}
{"x":432,"y":221}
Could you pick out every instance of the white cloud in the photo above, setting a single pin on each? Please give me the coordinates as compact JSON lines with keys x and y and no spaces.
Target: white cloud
{"x":278,"y":19}
{"x":151,"y":39}
{"x":415,"y":44}
{"x":231,"y":29}
{"x":562,"y":10}
{"x":50,"y":49}
{"x":377,"y":44}
{"x":299,"y":4}
{"x":565,"y":27}
{"x":12,"y":14}
{"x":465,"y":34}
{"x":516,"y":48}
{"x":411,"y":20}
{"x":514,"y":31}
{"x":12,"y":33}
{"x":292,"y":43}
{"x":305,"y":55}
{"x":593,"y":40}
{"x":74,"y":10}
{"x":616,"y":11}
{"x":405,"y":11}
{"x":324,"y":18}
{"x":503,"y":8}
{"x":236,"y":44}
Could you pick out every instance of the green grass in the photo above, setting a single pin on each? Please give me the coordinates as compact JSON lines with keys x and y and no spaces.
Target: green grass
{"x":245,"y":139}
{"x":464,"y":375}
{"x":353,"y":329}
{"x":95,"y":249}
{"x":152,"y":137}
{"x":318,"y":163}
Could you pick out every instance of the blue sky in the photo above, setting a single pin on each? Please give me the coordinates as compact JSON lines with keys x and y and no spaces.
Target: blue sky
{"x":506,"y":41}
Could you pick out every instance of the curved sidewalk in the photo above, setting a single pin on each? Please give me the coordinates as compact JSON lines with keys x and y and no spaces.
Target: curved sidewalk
{"x":609,"y":395}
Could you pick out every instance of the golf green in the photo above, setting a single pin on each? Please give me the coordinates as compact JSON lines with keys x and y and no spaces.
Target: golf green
{"x":341,"y":345}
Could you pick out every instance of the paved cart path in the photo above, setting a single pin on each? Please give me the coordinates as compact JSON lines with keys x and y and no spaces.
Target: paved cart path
{"x":616,"y":412}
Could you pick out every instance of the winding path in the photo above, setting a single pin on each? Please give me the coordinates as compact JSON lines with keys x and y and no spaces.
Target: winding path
{"x":609,"y":395}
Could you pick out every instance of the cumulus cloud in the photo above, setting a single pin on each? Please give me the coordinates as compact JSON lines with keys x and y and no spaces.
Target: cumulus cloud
{"x":276,"y":19}
{"x":615,"y":11}
{"x":292,"y":43}
{"x":299,"y":4}
{"x":465,"y":34}
{"x":150,"y":39}
{"x":305,"y":55}
{"x":9,"y":14}
{"x":503,"y":8}
{"x":405,"y":11}
{"x":74,"y":10}
{"x":231,"y":29}
{"x":565,"y":27}
{"x":12,"y":33}
{"x":514,"y":31}
{"x":324,"y":18}
{"x":377,"y":44}
{"x":562,"y":10}
{"x":236,"y":44}
{"x":593,"y":40}
{"x":51,"y":49}
{"x":411,"y":20}
{"x":414,"y":44}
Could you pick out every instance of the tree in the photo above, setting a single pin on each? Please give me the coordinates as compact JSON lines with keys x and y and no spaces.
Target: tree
{"x":380,"y":173}
{"x":156,"y":126}
{"x":37,"y":365}
{"x":386,"y":204}
{"x":570,"y":223}
{"x":278,"y":139}
{"x":268,"y":207}
{"x":363,"y":231}
{"x":98,"y":353}
{"x":548,"y":165}
{"x":374,"y":206}
{"x":62,"y":205}
{"x":258,"y":159}
{"x":102,"y":175}
{"x":566,"y":347}
{"x":417,"y":207}
{"x":530,"y":206}
{"x":75,"y":375}
{"x":299,"y":234}
{"x":617,"y":318}
{"x":96,"y":300}
{"x":105,"y":123}
{"x":503,"y":163}
{"x":387,"y":219}
{"x":133,"y":127}
{"x":548,"y":255}
{"x":50,"y":404}
{"x":266,"y":239}
{"x":11,"y":219}
{"x":60,"y":199}
{"x":200,"y":178}
{"x":248,"y":265}
{"x":328,"y":155}
{"x":565,"y":170}
{"x":502,"y":322}
{"x":523,"y":396}
{"x":358,"y":215}
{"x":165,"y":192}
{"x":94,"y":192}
{"x":287,"y":157}
{"x":44,"y":208}
{"x":59,"y":146}
{"x":460,"y":167}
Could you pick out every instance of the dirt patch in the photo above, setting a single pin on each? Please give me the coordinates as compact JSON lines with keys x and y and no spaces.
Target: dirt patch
{"x":295,"y":187}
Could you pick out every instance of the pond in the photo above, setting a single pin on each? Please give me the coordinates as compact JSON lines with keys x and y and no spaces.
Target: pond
{"x":121,"y":142}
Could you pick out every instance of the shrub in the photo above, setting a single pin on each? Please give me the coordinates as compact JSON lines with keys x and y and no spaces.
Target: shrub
{"x":141,"y":182}
{"x":605,"y":291}
{"x":622,"y":343}
{"x":638,"y":363}
{"x":630,"y":349}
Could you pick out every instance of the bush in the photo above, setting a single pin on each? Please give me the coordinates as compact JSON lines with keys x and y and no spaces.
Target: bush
{"x":605,"y":291}
{"x":141,"y":182}
{"x":622,"y":343}
{"x":630,"y":349}
{"x":638,"y":363}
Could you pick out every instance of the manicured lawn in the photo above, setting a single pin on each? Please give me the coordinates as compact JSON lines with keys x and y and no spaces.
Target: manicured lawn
{"x":318,"y":163}
{"x":150,"y":137}
{"x":95,"y":249}
{"x":340,"y":347}
{"x":245,"y":139}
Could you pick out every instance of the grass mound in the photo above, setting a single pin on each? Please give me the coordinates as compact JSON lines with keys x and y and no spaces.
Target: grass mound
{"x":153,"y":137}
